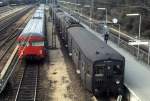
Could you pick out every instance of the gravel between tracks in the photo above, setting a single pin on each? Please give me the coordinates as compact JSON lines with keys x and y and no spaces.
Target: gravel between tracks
{"x":62,"y":83}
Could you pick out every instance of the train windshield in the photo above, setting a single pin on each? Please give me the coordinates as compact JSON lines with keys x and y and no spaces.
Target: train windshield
{"x":117,"y":69}
{"x":24,"y":43}
{"x":99,"y":70}
{"x":39,"y":43}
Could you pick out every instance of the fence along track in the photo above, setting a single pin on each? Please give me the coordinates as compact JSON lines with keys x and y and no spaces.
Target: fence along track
{"x":28,"y":84}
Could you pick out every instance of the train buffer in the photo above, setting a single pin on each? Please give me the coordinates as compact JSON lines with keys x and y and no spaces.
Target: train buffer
{"x":137,"y":74}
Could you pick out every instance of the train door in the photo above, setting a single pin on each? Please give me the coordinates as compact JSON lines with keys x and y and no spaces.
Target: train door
{"x":82,"y":69}
{"x":75,"y":56}
{"x":66,"y":35}
{"x":79,"y":60}
{"x":88,"y":76}
{"x":70,"y":45}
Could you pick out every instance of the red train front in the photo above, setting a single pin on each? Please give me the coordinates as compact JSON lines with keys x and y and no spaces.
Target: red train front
{"x":32,"y":46}
{"x":32,"y":40}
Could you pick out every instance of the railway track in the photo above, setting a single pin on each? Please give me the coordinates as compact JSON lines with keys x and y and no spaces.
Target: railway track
{"x":5,"y":9}
{"x":6,"y":48}
{"x":8,"y":43}
{"x":16,"y":93}
{"x":9,"y":20}
{"x":28,"y":85}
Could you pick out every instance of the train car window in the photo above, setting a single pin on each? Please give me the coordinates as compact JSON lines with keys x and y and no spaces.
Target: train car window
{"x":23,"y":43}
{"x":37,"y":17}
{"x":38,"y":43}
{"x":117,"y":69}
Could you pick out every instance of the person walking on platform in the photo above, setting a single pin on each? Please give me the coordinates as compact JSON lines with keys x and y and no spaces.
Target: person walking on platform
{"x":106,"y":37}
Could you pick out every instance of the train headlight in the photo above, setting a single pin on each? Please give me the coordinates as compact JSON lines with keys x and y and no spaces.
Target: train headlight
{"x":108,"y":67}
{"x":66,"y":45}
{"x":118,"y":66}
{"x":70,"y":54}
{"x":117,"y":82}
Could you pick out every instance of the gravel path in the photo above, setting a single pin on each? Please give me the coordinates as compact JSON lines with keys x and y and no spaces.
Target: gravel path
{"x":63,"y":83}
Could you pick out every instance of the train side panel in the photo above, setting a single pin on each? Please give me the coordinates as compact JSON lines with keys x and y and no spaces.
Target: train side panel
{"x":95,"y":61}
{"x":82,"y":64}
{"x":101,"y":68}
{"x":32,"y":40}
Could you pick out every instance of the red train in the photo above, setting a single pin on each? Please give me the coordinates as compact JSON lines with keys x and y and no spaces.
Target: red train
{"x":32,"y":39}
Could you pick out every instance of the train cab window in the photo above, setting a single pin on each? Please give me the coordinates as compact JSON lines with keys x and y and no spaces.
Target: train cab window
{"x":117,"y":69}
{"x":23,"y":43}
{"x":99,"y":70}
{"x":40,"y":43}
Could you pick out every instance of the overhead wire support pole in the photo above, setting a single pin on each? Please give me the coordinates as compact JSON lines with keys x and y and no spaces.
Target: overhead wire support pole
{"x":52,"y":24}
{"x":106,"y":11}
{"x":140,"y":22}
{"x":149,"y":52}
{"x":106,"y":17}
{"x":119,"y":35}
{"x":139,"y":35}
{"x":53,"y":28}
{"x":91,"y":12}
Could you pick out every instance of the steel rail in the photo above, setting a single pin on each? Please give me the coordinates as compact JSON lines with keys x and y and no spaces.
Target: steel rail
{"x":11,"y":19}
{"x":10,"y":39}
{"x":28,"y":85}
{"x":5,"y":9}
{"x":8,"y":73}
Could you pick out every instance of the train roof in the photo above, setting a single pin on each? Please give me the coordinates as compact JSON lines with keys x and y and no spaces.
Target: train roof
{"x":60,"y":14}
{"x":34,"y":27}
{"x":92,"y":47}
{"x":67,"y":20}
{"x":38,"y":15}
{"x":41,"y":7}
